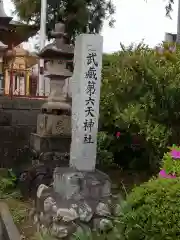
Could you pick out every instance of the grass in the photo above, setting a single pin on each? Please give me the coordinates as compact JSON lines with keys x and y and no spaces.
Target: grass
{"x":18,"y":208}
{"x":20,"y":213}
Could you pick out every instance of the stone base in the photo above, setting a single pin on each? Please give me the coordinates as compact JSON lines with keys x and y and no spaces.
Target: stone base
{"x":50,"y":143}
{"x":77,"y":202}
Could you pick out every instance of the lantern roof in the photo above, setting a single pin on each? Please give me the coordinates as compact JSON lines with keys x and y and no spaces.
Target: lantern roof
{"x":52,"y":52}
{"x":12,"y":33}
{"x":17,"y":33}
{"x":4,"y":19}
{"x":59,"y":48}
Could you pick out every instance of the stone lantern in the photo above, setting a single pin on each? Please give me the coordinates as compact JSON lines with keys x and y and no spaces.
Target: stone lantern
{"x":54,"y":122}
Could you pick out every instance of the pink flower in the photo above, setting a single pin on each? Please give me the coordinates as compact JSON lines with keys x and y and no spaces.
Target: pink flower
{"x":163,"y":174}
{"x":175,"y":154}
{"x":118,"y":134}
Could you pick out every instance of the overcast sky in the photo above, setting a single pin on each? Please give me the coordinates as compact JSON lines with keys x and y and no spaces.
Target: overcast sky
{"x":135,"y":20}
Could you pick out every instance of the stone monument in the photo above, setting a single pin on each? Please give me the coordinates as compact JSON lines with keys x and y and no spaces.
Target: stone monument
{"x":54,"y":122}
{"x":79,"y":199}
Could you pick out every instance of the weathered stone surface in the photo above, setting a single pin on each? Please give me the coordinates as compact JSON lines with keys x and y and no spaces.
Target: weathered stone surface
{"x":45,"y":219}
{"x":51,"y":124}
{"x":75,"y":200}
{"x":48,"y":203}
{"x":90,"y":185}
{"x":102,"y":224}
{"x":103,"y":209}
{"x":50,"y":143}
{"x":85,"y":212}
{"x":67,"y":215}
{"x":42,"y":189}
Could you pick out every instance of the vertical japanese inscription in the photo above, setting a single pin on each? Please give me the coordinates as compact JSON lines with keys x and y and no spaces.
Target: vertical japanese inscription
{"x":90,"y":92}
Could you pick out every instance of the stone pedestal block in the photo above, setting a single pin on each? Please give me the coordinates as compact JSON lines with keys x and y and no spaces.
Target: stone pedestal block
{"x":70,"y":184}
{"x":76,"y":201}
{"x":50,"y":143}
{"x":53,"y":125}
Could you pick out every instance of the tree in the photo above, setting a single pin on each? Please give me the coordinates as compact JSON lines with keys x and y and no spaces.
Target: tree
{"x":79,"y":15}
{"x":169,"y":8}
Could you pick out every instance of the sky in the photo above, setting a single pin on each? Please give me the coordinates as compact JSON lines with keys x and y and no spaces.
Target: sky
{"x":136,"y":20}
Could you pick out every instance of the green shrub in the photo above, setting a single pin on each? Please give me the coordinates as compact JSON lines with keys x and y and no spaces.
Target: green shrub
{"x":7,"y":183}
{"x":104,"y":155}
{"x":140,"y":94}
{"x":152,"y":212}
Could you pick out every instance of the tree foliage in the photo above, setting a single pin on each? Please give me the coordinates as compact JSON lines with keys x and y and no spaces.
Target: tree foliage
{"x":141,"y":96}
{"x":169,"y":7}
{"x":79,"y":15}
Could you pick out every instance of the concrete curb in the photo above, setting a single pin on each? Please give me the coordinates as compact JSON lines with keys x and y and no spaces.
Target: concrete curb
{"x":8,"y":229}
